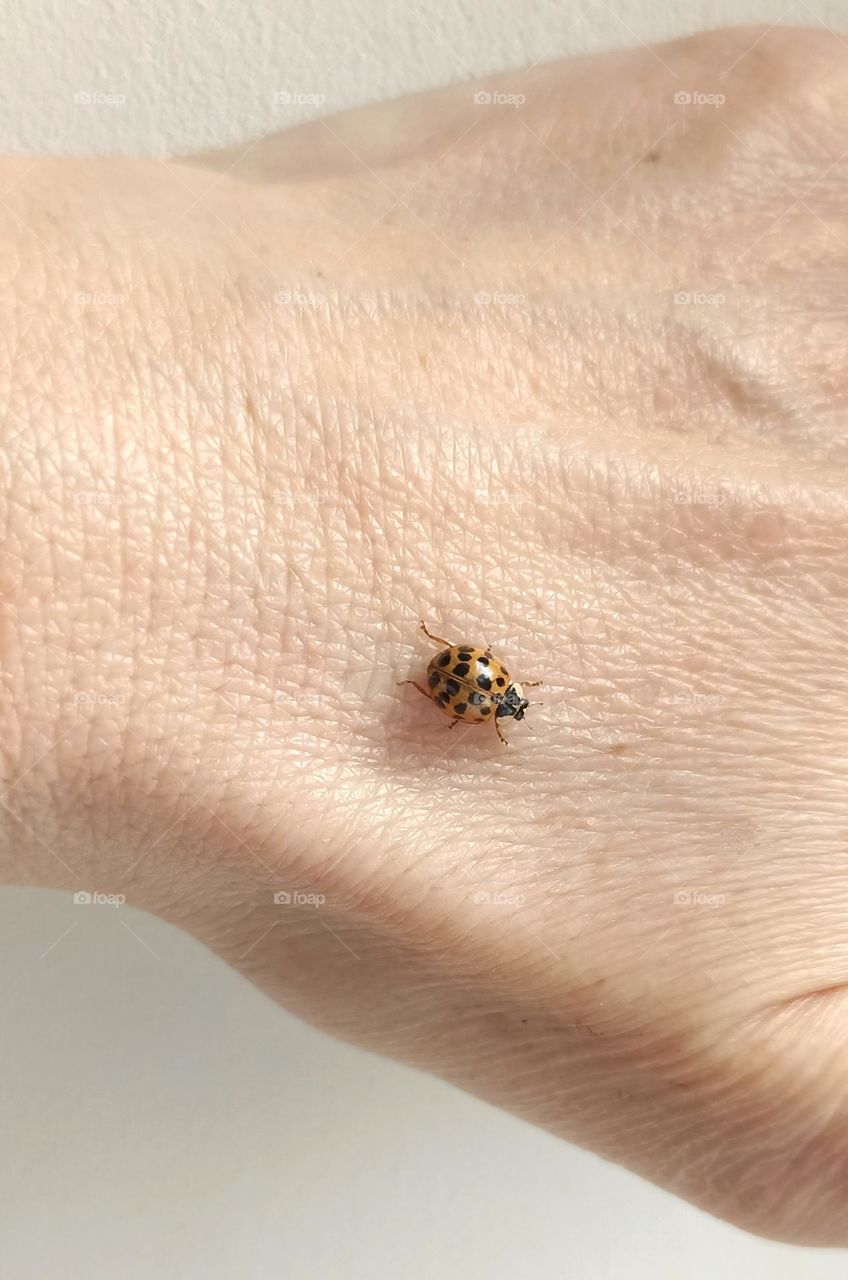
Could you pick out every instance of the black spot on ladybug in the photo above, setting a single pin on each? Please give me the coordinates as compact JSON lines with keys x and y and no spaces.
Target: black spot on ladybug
{"x":434,"y":679}
{"x":461,"y":708}
{"x":461,"y":669}
{"x":484,"y":658}
{"x":463,"y":656}
{"x":444,"y":660}
{"x":500,"y":682}
{"x":452,"y":687}
{"x":485,"y":711}
{"x":475,"y":699}
{"x":485,"y":682}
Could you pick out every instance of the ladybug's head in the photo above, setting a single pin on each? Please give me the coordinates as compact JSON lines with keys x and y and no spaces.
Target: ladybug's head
{"x":513,"y":703}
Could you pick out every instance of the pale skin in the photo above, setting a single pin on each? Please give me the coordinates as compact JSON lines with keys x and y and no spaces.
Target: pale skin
{"x":229,"y":497}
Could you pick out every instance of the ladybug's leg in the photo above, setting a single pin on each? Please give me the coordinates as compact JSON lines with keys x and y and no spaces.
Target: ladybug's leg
{"x":454,"y":723}
{"x":417,"y":686}
{"x":530,"y":684}
{"x":438,"y":639}
{"x":500,"y":735}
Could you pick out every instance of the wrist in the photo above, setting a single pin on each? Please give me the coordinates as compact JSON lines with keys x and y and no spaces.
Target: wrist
{"x":118,"y":360}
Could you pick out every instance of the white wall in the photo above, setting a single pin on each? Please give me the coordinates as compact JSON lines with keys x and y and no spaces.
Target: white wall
{"x":205,"y":74}
{"x":158,"y":1117}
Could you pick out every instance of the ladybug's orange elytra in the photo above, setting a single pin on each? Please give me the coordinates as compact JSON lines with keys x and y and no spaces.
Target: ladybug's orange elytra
{"x":471,"y":685}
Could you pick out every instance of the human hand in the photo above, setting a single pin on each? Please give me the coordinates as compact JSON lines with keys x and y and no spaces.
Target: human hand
{"x":565,"y":376}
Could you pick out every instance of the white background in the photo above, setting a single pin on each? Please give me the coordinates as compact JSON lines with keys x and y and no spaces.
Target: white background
{"x":159,"y":1117}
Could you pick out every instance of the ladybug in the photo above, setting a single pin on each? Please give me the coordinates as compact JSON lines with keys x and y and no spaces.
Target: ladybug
{"x":470,"y":685}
